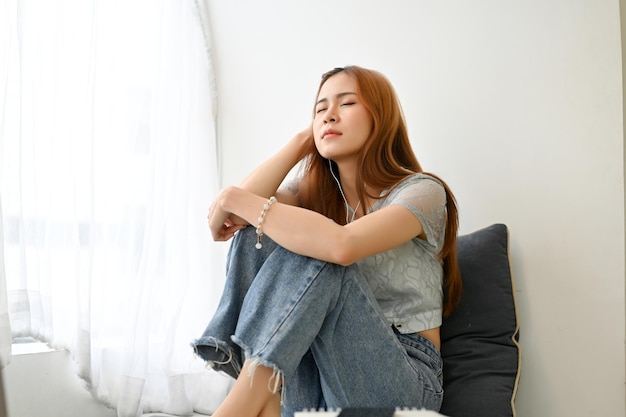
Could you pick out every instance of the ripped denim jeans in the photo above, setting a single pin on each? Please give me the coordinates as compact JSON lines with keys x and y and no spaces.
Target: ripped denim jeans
{"x":318,"y":325}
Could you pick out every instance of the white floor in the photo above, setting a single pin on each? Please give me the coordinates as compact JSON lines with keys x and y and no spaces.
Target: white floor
{"x":39,"y":382}
{"x":44,"y":385}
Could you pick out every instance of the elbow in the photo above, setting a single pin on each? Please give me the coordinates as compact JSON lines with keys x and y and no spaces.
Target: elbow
{"x":345,"y":261}
{"x":343,"y":253}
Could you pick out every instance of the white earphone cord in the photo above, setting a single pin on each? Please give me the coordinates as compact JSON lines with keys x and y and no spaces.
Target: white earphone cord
{"x":348,"y":207}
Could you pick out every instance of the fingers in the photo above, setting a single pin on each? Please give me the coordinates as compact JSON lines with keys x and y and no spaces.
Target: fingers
{"x":226,"y":231}
{"x":223,"y":225}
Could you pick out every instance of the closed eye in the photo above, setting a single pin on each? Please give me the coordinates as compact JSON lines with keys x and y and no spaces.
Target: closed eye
{"x":323,"y":109}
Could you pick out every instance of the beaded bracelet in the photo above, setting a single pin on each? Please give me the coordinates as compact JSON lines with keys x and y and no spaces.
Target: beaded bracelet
{"x":259,"y":230}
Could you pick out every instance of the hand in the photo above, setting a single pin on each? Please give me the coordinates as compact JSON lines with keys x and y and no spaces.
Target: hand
{"x":223,"y":225}
{"x":306,"y":133}
{"x":304,"y":140}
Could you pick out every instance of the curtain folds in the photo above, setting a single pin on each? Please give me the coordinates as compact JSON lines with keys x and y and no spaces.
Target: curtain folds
{"x":205,"y":23}
{"x":108,"y":163}
{"x":5,"y":324}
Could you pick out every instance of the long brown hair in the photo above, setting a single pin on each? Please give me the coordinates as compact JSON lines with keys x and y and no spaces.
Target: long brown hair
{"x":386,"y":159}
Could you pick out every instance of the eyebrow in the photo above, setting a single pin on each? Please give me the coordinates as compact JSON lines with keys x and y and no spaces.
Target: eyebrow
{"x":346,"y":93}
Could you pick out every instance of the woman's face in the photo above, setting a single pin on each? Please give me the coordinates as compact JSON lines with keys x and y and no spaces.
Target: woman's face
{"x":341,"y":124}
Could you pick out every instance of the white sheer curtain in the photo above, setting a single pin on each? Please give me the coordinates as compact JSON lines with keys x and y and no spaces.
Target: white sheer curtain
{"x":5,"y":325}
{"x":107,"y":167}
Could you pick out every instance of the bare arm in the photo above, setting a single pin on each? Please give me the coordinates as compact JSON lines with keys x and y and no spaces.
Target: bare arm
{"x":267,"y":177}
{"x":265,"y":180}
{"x":311,"y":234}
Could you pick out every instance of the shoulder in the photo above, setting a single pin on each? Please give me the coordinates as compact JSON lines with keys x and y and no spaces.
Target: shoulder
{"x":288,"y":191}
{"x":425,"y":197}
{"x":419,"y":177}
{"x":422,"y":194}
{"x":416,"y":185}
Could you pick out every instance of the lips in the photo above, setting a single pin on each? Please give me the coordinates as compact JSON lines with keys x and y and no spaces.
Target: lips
{"x":330,"y":132}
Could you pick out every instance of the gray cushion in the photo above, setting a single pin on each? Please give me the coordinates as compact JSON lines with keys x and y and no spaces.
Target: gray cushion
{"x":480,"y":347}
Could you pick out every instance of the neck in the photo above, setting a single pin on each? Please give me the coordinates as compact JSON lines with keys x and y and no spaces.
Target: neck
{"x":347,"y":173}
{"x":350,"y":210}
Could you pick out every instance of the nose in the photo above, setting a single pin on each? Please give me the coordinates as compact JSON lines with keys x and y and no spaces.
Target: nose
{"x":331,"y":115}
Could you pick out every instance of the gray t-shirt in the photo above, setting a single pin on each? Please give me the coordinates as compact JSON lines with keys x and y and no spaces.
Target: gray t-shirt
{"x":407,"y":280}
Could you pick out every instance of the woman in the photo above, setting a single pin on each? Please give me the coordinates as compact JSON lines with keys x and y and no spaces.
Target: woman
{"x":334,"y":296}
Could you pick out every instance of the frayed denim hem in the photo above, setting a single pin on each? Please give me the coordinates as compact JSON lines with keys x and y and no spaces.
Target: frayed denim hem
{"x":275,"y":382}
{"x":218,"y":355}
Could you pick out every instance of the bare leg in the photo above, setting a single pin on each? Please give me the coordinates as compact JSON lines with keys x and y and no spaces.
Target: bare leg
{"x":272,"y":408}
{"x":251,"y":395}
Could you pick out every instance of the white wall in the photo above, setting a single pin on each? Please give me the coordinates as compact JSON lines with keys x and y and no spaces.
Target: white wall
{"x":518,"y":105}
